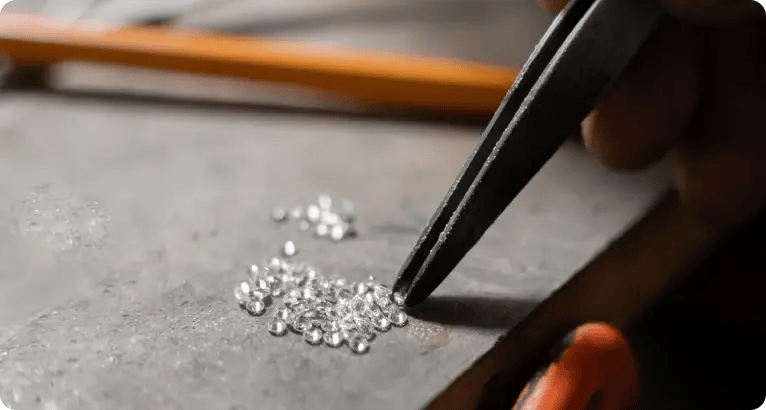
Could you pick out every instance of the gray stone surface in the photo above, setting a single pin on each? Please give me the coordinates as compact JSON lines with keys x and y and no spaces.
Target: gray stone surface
{"x":145,"y":318}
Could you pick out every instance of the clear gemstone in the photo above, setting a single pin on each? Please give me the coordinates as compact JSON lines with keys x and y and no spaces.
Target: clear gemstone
{"x":382,"y":324}
{"x":369,"y":297}
{"x":330,"y":218}
{"x":278,"y":292}
{"x":263,"y":296}
{"x":330,"y":326}
{"x":344,"y":295}
{"x":300,"y":325}
{"x":398,"y":299}
{"x":242,"y":292}
{"x":289,"y":250}
{"x":278,"y":214}
{"x":274,"y":265}
{"x":255,"y":307}
{"x":374,"y":313}
{"x":398,"y":318}
{"x":253,"y":271}
{"x":324,"y":201}
{"x":278,"y":327}
{"x":333,"y":338}
{"x":313,"y":336}
{"x":347,"y":210}
{"x":358,"y":345}
{"x":296,"y":213}
{"x":383,"y":302}
{"x":322,"y":230}
{"x":313,"y":213}
{"x":282,"y":314}
{"x":360,"y":288}
{"x":304,"y":225}
{"x":261,"y":284}
{"x":337,"y":233}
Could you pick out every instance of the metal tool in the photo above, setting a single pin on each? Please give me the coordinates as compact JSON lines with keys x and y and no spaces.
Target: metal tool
{"x":582,"y":52}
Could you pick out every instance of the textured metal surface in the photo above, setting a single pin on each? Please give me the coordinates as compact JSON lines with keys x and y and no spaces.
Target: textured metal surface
{"x":582,"y":53}
{"x":148,"y":321}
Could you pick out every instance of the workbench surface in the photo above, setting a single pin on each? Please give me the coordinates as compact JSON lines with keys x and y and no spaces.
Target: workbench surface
{"x":129,"y":305}
{"x":144,"y":317}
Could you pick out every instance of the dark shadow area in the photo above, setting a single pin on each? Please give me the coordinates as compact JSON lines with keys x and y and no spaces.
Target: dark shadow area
{"x":484,"y":312}
{"x":212,"y":105}
{"x":703,"y":347}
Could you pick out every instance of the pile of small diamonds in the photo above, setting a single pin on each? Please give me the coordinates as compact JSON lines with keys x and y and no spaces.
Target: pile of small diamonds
{"x":324,"y":218}
{"x":322,"y":310}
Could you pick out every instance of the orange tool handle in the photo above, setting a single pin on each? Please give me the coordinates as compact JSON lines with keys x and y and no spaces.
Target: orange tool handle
{"x":597,"y":370}
{"x":380,"y":80}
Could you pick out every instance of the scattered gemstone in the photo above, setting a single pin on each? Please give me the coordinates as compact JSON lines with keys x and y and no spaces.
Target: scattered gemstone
{"x":333,"y":338}
{"x":278,"y":214}
{"x":382,"y":323}
{"x":255,"y":307}
{"x":313,"y":336}
{"x":358,"y":345}
{"x":322,"y":230}
{"x":330,"y":326}
{"x":296,"y":213}
{"x":289,"y":250}
{"x":261,"y":295}
{"x":398,"y":299}
{"x":242,"y":292}
{"x":324,"y":201}
{"x":253,"y":272}
{"x":337,"y":233}
{"x":282,"y":314}
{"x":304,"y":226}
{"x":313,"y":213}
{"x":278,"y":327}
{"x":398,"y":319}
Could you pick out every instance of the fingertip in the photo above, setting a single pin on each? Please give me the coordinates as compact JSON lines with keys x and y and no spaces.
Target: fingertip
{"x":553,"y":6}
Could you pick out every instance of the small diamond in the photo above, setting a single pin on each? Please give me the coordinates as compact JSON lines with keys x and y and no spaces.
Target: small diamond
{"x":313,"y":213}
{"x":278,"y":327}
{"x":242,"y":292}
{"x":313,"y":336}
{"x":289,"y":250}
{"x":260,"y":295}
{"x":344,"y":295}
{"x":278,"y":292}
{"x":253,"y":271}
{"x":324,"y":201}
{"x":333,"y":339}
{"x":275,"y":264}
{"x":300,"y":325}
{"x":383,"y":302}
{"x":304,"y":225}
{"x":337,"y":233}
{"x":261,"y":284}
{"x":296,"y":213}
{"x":360,"y":288}
{"x":330,"y":326}
{"x":282,"y":314}
{"x":381,"y":324}
{"x":330,"y":218}
{"x":398,"y":299}
{"x":255,"y":307}
{"x":322,"y":230}
{"x":398,"y":318}
{"x":358,"y":345}
{"x":278,"y":214}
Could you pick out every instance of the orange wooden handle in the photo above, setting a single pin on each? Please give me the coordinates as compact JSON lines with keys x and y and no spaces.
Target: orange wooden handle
{"x":382,"y":80}
{"x":597,"y":370}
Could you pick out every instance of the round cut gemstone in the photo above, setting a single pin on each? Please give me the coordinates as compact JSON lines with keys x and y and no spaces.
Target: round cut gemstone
{"x":278,"y":327}
{"x":313,"y":336}
{"x":333,"y":339}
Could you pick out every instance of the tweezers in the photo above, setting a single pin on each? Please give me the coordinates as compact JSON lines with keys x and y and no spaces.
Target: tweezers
{"x":588,"y":44}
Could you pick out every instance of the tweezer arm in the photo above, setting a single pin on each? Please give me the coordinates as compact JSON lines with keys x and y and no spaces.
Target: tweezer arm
{"x":580,"y":55}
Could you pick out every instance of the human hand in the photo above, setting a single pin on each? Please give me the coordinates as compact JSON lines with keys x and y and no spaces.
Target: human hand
{"x":697,"y":93}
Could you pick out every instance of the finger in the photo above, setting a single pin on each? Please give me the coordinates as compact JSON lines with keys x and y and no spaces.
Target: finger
{"x":642,"y":115}
{"x":714,"y":13}
{"x":721,"y":167}
{"x":553,"y":6}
